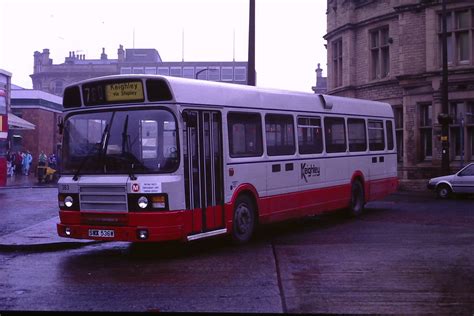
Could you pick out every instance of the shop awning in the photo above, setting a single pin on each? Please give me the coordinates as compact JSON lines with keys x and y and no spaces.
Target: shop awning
{"x":14,"y":122}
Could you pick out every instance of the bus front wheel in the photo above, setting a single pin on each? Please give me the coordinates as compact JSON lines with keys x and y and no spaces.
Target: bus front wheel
{"x":244,"y":220}
{"x":357,"y":199}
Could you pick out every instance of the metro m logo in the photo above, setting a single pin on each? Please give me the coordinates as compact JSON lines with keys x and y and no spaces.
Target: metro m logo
{"x":135,"y":187}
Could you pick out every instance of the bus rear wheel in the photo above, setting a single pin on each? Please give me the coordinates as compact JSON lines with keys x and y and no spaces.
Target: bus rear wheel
{"x":357,"y":199}
{"x":244,"y":220}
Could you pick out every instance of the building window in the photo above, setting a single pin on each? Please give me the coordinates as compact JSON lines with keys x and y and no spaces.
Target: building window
{"x":58,"y":87}
{"x":165,"y":71}
{"x":3,"y":105}
{"x":150,"y":70}
{"x":461,"y":130}
{"x":188,"y":72}
{"x":455,"y":110}
{"x":202,"y":73}
{"x":379,"y":53}
{"x":227,"y":74}
{"x":214,"y":73}
{"x":398,"y":112}
{"x":337,"y":62}
{"x":240,"y":73}
{"x":138,"y":70}
{"x":126,"y":70}
{"x":460,"y":36}
{"x":176,"y":72}
{"x":470,"y":140}
{"x":426,"y":129}
{"x":469,"y":128}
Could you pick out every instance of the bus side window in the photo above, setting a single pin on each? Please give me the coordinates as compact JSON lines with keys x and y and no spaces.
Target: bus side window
{"x":390,"y":142}
{"x":335,"y":134}
{"x":279,"y":131}
{"x":357,"y":135}
{"x":245,"y":134}
{"x":376,"y":135}
{"x":310,"y":136}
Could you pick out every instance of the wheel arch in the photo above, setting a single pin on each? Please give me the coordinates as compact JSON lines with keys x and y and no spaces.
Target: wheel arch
{"x":359,"y":176}
{"x":250,"y":191}
{"x":444,"y":183}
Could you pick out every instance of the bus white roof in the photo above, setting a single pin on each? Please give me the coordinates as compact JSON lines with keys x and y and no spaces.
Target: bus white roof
{"x":234,"y":95}
{"x":202,"y":92}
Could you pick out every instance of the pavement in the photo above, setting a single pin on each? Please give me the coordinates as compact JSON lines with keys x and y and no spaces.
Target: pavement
{"x":41,"y":236}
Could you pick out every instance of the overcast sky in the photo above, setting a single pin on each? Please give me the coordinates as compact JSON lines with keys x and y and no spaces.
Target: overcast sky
{"x":289,"y":42}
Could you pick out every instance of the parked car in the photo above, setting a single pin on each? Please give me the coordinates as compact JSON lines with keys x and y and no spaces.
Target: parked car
{"x":458,"y":183}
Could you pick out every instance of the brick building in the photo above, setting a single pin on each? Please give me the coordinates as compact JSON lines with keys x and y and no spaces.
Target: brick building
{"x":390,"y":50}
{"x":41,"y":109}
{"x":53,"y":78}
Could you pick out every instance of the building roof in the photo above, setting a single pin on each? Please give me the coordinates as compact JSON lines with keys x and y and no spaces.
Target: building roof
{"x":34,"y":99}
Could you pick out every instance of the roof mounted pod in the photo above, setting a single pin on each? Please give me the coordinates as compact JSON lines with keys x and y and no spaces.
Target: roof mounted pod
{"x":326,"y":103}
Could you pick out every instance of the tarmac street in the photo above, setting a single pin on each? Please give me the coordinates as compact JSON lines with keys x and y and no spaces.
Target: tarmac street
{"x":408,"y":254}
{"x":29,"y":215}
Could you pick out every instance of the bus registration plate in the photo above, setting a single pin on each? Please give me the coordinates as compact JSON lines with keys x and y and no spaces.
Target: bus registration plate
{"x":107,"y":233}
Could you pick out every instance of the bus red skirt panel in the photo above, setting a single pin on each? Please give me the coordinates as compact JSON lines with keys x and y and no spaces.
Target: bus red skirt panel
{"x":177,"y":225}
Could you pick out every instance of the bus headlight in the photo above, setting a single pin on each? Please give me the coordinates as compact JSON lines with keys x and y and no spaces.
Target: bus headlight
{"x":148,"y":202}
{"x":143,"y":202}
{"x":68,"y":201}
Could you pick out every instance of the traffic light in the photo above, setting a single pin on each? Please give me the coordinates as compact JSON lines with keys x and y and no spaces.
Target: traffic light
{"x":444,"y":119}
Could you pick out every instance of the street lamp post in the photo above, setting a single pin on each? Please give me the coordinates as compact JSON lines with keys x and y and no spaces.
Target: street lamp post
{"x":251,"y":75}
{"x":202,"y":70}
{"x":444,"y":118}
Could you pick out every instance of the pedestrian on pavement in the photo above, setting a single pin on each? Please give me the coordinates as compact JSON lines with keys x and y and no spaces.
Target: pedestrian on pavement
{"x":17,"y":161}
{"x":42,"y":159}
{"x":10,"y":168}
{"x":26,"y":163}
{"x":52,"y":161}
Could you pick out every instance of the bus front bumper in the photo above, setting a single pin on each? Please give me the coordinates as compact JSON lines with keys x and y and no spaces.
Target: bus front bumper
{"x":122,"y":227}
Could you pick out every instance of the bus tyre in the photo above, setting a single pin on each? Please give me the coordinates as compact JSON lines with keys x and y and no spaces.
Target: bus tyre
{"x":357,"y":199}
{"x":243,"y":224}
{"x":443,"y":191}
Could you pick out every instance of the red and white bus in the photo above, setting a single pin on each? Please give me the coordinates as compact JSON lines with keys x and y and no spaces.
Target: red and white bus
{"x":154,"y":158}
{"x":3,"y":137}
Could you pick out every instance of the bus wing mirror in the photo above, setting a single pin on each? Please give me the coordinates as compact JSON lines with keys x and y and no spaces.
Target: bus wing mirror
{"x":189,"y":119}
{"x":185,"y":117}
{"x":60,"y":125}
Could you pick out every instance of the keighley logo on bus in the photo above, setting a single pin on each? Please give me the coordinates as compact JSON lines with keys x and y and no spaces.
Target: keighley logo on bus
{"x":308,"y":171}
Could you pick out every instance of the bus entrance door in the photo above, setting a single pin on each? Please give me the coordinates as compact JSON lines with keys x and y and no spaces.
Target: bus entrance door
{"x":204,"y":171}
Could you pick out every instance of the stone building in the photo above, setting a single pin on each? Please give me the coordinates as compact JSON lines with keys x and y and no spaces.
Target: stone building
{"x":53,"y":78}
{"x":321,"y":82}
{"x":391,"y":51}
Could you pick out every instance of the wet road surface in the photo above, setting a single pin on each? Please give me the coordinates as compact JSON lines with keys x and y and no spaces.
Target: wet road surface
{"x":407,"y":255}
